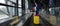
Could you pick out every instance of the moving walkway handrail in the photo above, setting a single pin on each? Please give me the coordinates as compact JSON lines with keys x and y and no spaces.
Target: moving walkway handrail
{"x":27,"y":21}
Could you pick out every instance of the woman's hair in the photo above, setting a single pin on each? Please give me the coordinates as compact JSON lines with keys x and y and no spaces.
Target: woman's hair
{"x":37,"y":2}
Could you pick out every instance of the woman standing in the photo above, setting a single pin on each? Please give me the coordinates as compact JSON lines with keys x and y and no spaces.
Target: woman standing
{"x":38,"y":6}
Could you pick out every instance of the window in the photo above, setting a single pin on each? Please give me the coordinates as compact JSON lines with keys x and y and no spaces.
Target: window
{"x":26,"y":6}
{"x":4,"y":9}
{"x":11,"y":11}
{"x":19,"y":9}
{"x":3,"y":12}
{"x":2,"y":1}
{"x":9,"y":3}
{"x":13,"y":1}
{"x":19,"y":2}
{"x":9,"y":7}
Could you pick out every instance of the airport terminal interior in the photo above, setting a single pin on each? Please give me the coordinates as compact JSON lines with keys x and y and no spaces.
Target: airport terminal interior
{"x":23,"y":13}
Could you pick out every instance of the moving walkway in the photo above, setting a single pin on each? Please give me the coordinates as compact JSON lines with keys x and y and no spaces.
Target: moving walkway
{"x":43,"y":22}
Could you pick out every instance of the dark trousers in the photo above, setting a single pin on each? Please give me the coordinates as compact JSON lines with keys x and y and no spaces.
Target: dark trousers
{"x":37,"y":12}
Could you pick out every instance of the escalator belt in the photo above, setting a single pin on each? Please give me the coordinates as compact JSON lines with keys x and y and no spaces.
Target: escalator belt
{"x":46,"y":23}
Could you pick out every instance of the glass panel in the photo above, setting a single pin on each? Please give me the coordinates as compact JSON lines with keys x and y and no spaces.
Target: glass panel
{"x":20,"y":11}
{"x":4,"y":9}
{"x":11,"y":11}
{"x":13,"y":1}
{"x":26,"y":6}
{"x":2,"y":1}
{"x":19,"y":2}
{"x":9,"y":3}
{"x":3,"y":12}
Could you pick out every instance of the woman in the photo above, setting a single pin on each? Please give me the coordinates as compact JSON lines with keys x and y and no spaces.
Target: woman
{"x":38,"y":6}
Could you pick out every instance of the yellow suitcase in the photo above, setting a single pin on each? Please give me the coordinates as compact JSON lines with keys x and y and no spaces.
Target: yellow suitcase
{"x":36,"y":20}
{"x":53,"y":19}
